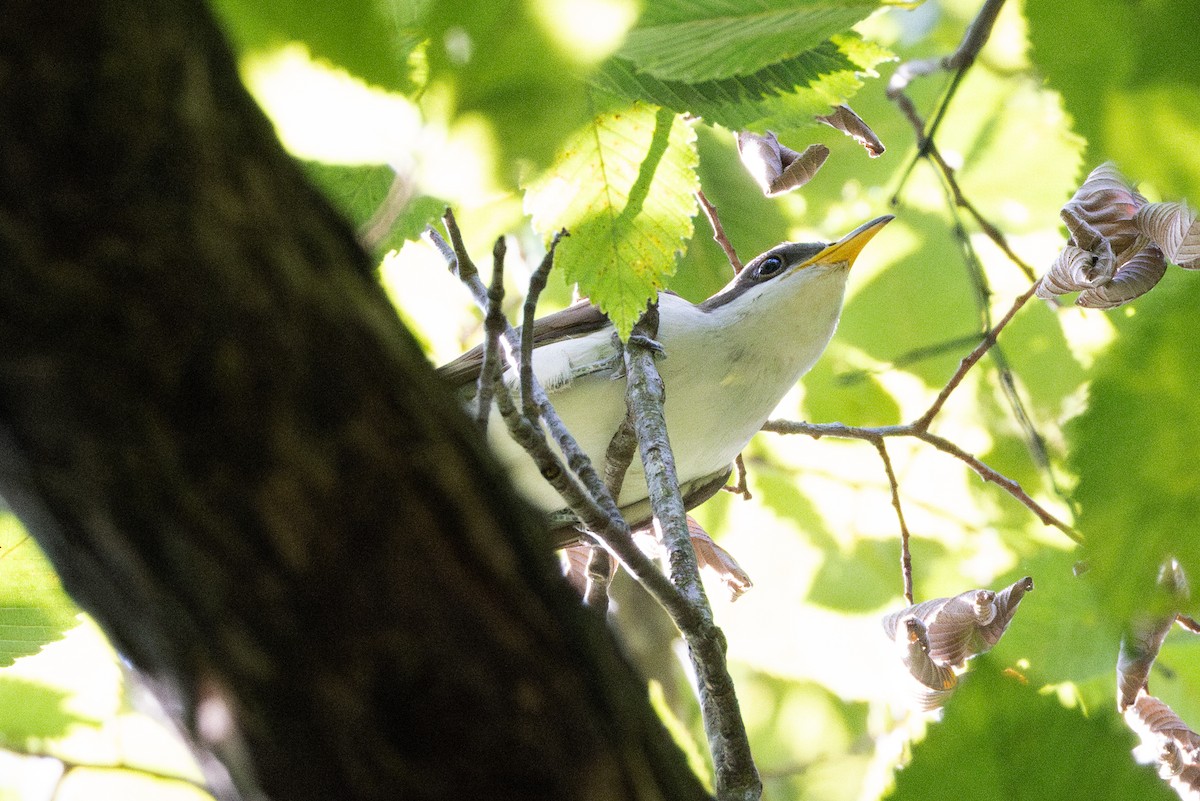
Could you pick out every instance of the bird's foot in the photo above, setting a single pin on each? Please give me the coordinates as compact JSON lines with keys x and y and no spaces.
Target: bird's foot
{"x":643,"y":341}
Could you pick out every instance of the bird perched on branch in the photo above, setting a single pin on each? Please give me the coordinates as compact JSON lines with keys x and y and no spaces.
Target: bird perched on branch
{"x":728,"y":362}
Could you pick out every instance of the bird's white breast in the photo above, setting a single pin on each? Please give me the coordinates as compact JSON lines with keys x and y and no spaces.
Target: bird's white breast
{"x":722,"y":376}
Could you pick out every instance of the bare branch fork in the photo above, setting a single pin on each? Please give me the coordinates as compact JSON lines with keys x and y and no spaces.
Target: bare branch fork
{"x":592,"y":501}
{"x":919,"y":429}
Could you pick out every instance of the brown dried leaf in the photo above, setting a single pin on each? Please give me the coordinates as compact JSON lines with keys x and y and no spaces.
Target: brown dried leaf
{"x":934,"y":682}
{"x":1170,"y":740}
{"x":1073,"y":270}
{"x":776,"y":168}
{"x":1103,"y":208}
{"x":849,"y":123}
{"x":1160,"y":719}
{"x":966,"y":625}
{"x":1134,"y":278}
{"x":1175,"y":229}
{"x":716,"y":558}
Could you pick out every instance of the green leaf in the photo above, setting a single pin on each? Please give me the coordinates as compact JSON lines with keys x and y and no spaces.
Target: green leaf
{"x":1002,"y":740}
{"x":360,"y":191}
{"x":495,"y":59}
{"x":1134,"y":449}
{"x":624,"y":188}
{"x":837,"y":392}
{"x":689,"y":40}
{"x":786,"y":94}
{"x":355,"y":35}
{"x":34,"y":610}
{"x":1059,"y":630}
{"x":1129,"y":76}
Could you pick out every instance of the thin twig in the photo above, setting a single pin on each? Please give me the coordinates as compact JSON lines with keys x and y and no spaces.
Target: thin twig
{"x":613,"y":533}
{"x":960,"y":61}
{"x":577,"y":460}
{"x":617,"y":458}
{"x":740,"y":488}
{"x":736,"y":776}
{"x":537,"y":283}
{"x":905,"y":556}
{"x":961,"y":201}
{"x":599,"y":576}
{"x":873,"y":435}
{"x":710,"y":211}
{"x":493,"y":327}
{"x":969,"y":361}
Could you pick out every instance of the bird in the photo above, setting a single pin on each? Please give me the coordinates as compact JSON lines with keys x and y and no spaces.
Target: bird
{"x":726,"y":364}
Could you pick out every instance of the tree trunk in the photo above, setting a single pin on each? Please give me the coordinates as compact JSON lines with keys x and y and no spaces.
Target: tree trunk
{"x":243,"y":466}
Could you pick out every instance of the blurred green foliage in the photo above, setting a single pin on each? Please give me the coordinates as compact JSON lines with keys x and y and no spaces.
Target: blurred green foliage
{"x":1032,"y":747}
{"x":505,"y":98}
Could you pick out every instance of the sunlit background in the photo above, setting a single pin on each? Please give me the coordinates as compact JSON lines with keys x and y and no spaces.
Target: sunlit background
{"x":819,"y":682}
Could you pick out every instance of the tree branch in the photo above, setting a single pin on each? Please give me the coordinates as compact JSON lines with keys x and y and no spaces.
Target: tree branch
{"x":736,"y":776}
{"x":244,"y":467}
{"x":877,"y":435}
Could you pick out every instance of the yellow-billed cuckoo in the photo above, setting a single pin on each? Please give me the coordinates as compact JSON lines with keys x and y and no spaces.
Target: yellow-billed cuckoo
{"x":728,"y":362}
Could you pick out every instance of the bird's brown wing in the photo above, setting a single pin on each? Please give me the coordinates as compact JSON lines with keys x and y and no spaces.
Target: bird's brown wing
{"x":574,"y":321}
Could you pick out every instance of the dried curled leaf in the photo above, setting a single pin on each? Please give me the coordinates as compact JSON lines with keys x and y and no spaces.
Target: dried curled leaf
{"x":716,"y":558}
{"x":1141,"y":644}
{"x":1074,"y":270}
{"x":966,"y":625}
{"x":1175,"y":229}
{"x":1104,"y":208}
{"x":1133,"y":279}
{"x":1169,"y":740}
{"x":1155,"y":717}
{"x":845,"y":120}
{"x":776,"y":168}
{"x":934,"y":682}
{"x":1182,"y":771}
{"x":1109,"y":259}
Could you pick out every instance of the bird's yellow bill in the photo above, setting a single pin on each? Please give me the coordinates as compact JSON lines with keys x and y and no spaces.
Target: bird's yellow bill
{"x":849,"y":246}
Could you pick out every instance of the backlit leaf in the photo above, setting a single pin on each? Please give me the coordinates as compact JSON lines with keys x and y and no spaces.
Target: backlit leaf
{"x":34,"y":610}
{"x":624,"y":188}
{"x":354,"y":35}
{"x":1134,"y":450}
{"x":691,"y":41}
{"x":786,"y":94}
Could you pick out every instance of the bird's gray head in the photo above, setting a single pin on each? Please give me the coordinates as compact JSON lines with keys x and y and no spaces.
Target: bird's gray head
{"x":783,"y":264}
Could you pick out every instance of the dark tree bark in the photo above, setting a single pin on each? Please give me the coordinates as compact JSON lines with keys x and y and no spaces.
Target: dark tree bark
{"x":243,"y":466}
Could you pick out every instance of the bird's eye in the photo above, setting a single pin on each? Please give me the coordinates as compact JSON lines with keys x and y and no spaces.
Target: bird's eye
{"x":770,"y":266}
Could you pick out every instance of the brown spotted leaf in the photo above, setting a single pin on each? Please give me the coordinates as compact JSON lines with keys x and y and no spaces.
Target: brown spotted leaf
{"x":1165,"y":735}
{"x":1074,"y":270}
{"x":1104,"y":208}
